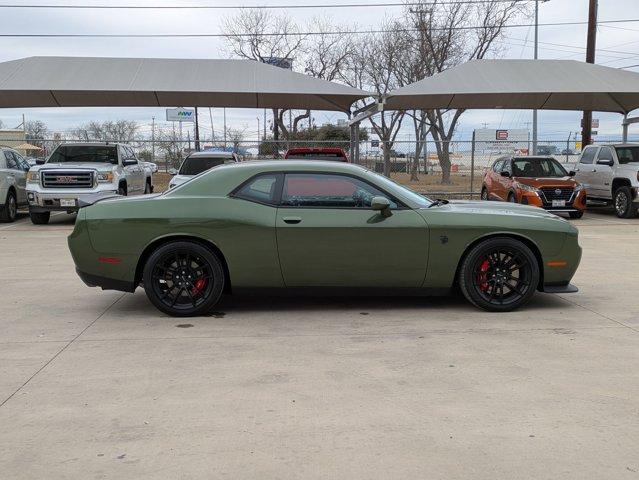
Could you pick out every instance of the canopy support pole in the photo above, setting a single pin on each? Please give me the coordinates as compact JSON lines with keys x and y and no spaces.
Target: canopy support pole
{"x":627,"y":121}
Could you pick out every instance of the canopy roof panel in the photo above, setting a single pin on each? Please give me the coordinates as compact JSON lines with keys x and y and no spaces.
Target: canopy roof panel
{"x":525,"y":84}
{"x":153,"y":82}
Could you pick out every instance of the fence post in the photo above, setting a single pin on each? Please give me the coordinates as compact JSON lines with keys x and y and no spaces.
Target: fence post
{"x":472,"y":166}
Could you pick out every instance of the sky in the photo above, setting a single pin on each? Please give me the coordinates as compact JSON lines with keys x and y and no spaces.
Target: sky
{"x":617,"y":46}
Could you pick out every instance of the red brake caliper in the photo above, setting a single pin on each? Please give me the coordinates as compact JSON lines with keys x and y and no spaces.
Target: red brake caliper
{"x":198,"y":286}
{"x":483,"y":276}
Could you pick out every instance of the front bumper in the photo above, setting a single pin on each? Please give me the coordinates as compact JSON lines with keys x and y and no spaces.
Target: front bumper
{"x":577,"y":203}
{"x":40,"y":201}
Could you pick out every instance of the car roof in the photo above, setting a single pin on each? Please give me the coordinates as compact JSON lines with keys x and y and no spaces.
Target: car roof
{"x":295,"y":165}
{"x":90,"y":144}
{"x":211,"y":154}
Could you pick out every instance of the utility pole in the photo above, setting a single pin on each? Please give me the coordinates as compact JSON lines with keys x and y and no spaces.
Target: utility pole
{"x":224,"y":110}
{"x":534,"y":132}
{"x":586,"y":128}
{"x":197,"y":132}
{"x":153,"y":139}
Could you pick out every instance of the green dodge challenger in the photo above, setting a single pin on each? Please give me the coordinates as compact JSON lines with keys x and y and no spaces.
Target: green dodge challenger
{"x":321,"y":226}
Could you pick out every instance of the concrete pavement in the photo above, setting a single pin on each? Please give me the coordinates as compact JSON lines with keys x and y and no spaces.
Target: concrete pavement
{"x":101,"y":385}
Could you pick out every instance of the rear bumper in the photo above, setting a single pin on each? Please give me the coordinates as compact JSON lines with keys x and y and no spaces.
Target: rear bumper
{"x":105,"y":283}
{"x":567,"y":288}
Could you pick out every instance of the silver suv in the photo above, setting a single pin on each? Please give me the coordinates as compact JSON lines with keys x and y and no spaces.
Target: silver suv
{"x":78,"y":171}
{"x":13,"y":177}
{"x":610,"y":174}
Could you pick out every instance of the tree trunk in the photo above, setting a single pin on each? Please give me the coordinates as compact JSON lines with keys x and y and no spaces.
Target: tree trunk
{"x":387,"y":159}
{"x":444,"y":162}
{"x":276,"y":134}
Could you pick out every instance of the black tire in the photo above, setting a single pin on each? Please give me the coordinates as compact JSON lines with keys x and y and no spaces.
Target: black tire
{"x":40,"y":218}
{"x":576,"y":215}
{"x":9,"y":210}
{"x":512,"y":198}
{"x":622,"y":201}
{"x":482,"y":274}
{"x":147,"y":188}
{"x":183,"y":279}
{"x":484,"y":194}
{"x":122,"y":189}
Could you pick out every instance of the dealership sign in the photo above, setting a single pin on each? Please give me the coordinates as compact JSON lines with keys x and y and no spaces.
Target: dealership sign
{"x":502,"y":140}
{"x":180,"y":115}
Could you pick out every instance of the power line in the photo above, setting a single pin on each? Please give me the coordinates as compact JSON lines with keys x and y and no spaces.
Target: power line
{"x":256,"y":7}
{"x":284,"y":34}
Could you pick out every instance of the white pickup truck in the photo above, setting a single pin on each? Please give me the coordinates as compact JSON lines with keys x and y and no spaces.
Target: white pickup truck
{"x":610,"y":174}
{"x":77,"y":171}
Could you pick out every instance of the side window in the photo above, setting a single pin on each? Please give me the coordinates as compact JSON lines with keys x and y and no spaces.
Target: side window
{"x":605,"y":153}
{"x":11,"y":161}
{"x":329,"y":191}
{"x":260,"y":189}
{"x":22,"y":163}
{"x":497,"y":166}
{"x":588,"y":156}
{"x":507,"y":167}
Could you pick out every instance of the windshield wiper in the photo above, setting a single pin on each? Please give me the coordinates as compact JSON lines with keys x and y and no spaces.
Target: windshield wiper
{"x":438,"y":202}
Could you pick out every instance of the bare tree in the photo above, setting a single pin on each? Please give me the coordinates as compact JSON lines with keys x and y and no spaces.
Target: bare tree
{"x":1,"y":124}
{"x":446,"y":34}
{"x":373,"y":66}
{"x":236,"y":136}
{"x":120,"y":130}
{"x":258,"y":34}
{"x":170,"y":145}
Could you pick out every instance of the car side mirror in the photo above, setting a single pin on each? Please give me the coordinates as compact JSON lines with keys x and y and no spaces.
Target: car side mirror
{"x":572,"y":173}
{"x":40,"y":161}
{"x":381,"y":205}
{"x":128,"y":163}
{"x":505,"y":174}
{"x":610,"y":163}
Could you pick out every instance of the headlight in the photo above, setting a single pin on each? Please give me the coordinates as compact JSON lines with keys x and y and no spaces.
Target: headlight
{"x":33,"y":177}
{"x":105,"y":177}
{"x":579,"y":188}
{"x":525,"y":187}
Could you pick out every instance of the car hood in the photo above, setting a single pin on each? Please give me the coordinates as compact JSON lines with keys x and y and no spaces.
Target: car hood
{"x":548,"y":182}
{"x":497,"y":208}
{"x":102,"y":167}
{"x":180,"y":179}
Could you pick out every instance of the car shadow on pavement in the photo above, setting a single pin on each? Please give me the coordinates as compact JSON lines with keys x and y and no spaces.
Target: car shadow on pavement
{"x":230,"y":304}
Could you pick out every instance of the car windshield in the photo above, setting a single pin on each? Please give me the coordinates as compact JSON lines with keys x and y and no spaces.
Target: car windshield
{"x":85,"y":153}
{"x":538,"y":167}
{"x":420,"y":200}
{"x":628,"y":154}
{"x":197,"y":165}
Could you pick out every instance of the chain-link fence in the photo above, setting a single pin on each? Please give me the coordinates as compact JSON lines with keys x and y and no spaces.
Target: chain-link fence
{"x":420,"y":166}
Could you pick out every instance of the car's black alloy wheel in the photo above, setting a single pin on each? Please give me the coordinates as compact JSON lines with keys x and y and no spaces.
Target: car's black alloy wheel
{"x":511,"y":198}
{"x":622,"y":201}
{"x":183,"y":279}
{"x":484,"y":194}
{"x":10,"y":209}
{"x":499,"y":274}
{"x":40,"y":218}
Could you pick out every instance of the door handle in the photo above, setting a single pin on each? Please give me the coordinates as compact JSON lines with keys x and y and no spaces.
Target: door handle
{"x":292,"y":220}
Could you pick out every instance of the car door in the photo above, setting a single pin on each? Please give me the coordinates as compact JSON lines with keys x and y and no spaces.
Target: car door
{"x":584,"y":169}
{"x":493,"y":179}
{"x":328,"y":235}
{"x":602,"y":173}
{"x":505,"y":182}
{"x":134,"y":171}
{"x":16,"y":172}
{"x":21,"y":177}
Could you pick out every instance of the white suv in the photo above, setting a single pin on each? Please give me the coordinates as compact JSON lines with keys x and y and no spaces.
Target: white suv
{"x":13,"y":177}
{"x":610,"y":173}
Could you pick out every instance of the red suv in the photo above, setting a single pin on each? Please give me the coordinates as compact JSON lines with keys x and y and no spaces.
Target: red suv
{"x":319,"y":153}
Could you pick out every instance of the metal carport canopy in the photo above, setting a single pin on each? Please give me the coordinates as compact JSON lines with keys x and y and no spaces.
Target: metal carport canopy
{"x":525,"y":84}
{"x":153,"y":82}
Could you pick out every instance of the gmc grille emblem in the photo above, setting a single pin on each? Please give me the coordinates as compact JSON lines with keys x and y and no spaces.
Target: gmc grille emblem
{"x":66,"y":179}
